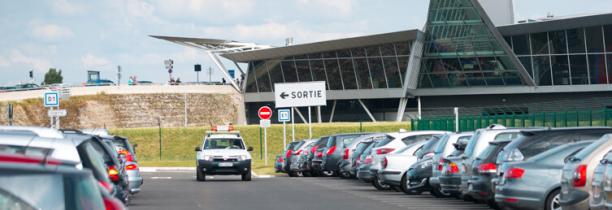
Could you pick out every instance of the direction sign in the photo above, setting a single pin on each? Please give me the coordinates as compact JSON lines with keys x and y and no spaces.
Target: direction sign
{"x":301,"y":94}
{"x":264,"y":123}
{"x":284,"y":115}
{"x":51,"y":99}
{"x":57,"y":113}
{"x":265,"y":113}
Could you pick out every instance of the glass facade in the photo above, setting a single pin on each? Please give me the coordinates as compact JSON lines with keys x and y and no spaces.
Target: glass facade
{"x":461,"y":50}
{"x":371,"y":67}
{"x":579,"y":56}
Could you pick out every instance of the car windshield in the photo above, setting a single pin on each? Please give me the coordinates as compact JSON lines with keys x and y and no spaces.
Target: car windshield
{"x":367,"y":151}
{"x":491,"y":152}
{"x":416,"y":138}
{"x":361,"y":146}
{"x":224,"y":144}
{"x":538,"y":144}
{"x":442,"y":144}
{"x":429,"y":146}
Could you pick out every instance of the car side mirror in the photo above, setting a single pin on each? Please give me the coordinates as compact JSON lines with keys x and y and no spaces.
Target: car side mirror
{"x":198,"y":149}
{"x":250,"y":149}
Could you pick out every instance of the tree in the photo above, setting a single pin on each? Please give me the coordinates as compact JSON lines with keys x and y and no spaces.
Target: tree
{"x":53,"y":76}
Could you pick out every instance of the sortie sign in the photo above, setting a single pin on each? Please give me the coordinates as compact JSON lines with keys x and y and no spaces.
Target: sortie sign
{"x":300,"y":94}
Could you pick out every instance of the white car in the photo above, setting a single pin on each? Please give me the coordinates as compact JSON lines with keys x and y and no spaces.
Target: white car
{"x":223,"y":153}
{"x":395,"y":165}
{"x":398,"y":141}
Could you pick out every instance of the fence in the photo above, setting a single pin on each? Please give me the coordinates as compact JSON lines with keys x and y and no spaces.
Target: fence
{"x":601,"y":117}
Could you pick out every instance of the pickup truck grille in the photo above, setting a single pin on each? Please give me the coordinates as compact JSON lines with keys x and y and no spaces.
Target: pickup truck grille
{"x":221,"y":159}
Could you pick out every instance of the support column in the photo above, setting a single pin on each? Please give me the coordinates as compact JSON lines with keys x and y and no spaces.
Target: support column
{"x":367,"y":110}
{"x":331,"y":116}
{"x":221,"y":67}
{"x":401,"y":109}
{"x":301,"y":116}
{"x":319,"y":114}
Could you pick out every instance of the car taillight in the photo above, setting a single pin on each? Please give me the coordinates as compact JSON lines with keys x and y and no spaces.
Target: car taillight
{"x":331,"y":150}
{"x":131,"y":167}
{"x":313,"y":149}
{"x":280,"y":159}
{"x":382,"y":151}
{"x":368,"y":160}
{"x":107,"y":186}
{"x":385,"y":162}
{"x":298,"y":152}
{"x":441,"y":165}
{"x":515,"y":173}
{"x":113,"y":204}
{"x":345,"y":155}
{"x":113,"y":174}
{"x":487,"y":168}
{"x":128,"y":155}
{"x":580,"y":176}
{"x":288,"y":154}
{"x":453,"y":168}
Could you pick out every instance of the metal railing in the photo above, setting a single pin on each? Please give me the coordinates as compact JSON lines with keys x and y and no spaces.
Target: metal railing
{"x":602,"y":117}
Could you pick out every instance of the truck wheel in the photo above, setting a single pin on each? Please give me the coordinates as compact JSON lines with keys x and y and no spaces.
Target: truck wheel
{"x":200,"y":176}
{"x":247,"y":176}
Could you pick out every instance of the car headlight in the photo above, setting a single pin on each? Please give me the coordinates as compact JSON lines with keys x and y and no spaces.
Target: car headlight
{"x":206,"y":157}
{"x":243,"y":157}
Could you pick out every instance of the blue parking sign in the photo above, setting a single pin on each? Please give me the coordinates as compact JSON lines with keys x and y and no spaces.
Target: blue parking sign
{"x":51,"y":99}
{"x":284,"y":115}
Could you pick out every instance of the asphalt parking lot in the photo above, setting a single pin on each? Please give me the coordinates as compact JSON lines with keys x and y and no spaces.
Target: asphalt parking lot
{"x":179,"y":190}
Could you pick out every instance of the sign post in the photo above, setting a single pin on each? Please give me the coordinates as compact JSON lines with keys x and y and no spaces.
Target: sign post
{"x":10,"y":114}
{"x":284,"y":116}
{"x":265,"y":113}
{"x":301,"y":94}
{"x":51,"y":99}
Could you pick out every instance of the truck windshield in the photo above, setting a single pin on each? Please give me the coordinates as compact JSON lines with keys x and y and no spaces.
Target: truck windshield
{"x":223,"y":144}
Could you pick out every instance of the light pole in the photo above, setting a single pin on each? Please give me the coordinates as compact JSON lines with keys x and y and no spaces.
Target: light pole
{"x":209,"y":75}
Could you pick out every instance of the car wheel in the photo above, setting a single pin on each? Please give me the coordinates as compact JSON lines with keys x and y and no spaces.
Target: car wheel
{"x":345,"y":175}
{"x":552,"y":201}
{"x":247,"y":176}
{"x":306,"y":174}
{"x":405,"y":184}
{"x":200,"y":177}
{"x":379,"y":185}
{"x":291,"y":174}
{"x":328,"y":173}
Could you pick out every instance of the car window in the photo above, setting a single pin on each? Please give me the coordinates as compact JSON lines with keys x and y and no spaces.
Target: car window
{"x":297,"y":145}
{"x":105,"y":156}
{"x":84,"y":193}
{"x":25,"y":150}
{"x":536,"y":146}
{"x":367,"y":151}
{"x":590,"y":149}
{"x":10,"y":201}
{"x":347,"y":139}
{"x":331,"y":141}
{"x":223,"y":144}
{"x":442,"y":144}
{"x":383,"y":140}
{"x":429,"y":146}
{"x":491,"y":152}
{"x":469,"y":149}
{"x":507,"y":136}
{"x":361,"y":147}
{"x":322,"y":141}
{"x":416,"y":138}
{"x":41,"y":190}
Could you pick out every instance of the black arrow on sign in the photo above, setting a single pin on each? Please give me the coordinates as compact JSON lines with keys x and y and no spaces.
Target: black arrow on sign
{"x":284,"y":95}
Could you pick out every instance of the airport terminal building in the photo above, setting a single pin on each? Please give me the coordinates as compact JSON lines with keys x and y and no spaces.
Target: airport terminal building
{"x":465,"y":57}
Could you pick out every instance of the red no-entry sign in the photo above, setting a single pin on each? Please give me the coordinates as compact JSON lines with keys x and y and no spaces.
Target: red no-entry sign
{"x":265,"y":113}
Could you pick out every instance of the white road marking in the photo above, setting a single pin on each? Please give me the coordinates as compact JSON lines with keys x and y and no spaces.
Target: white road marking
{"x":161,"y":177}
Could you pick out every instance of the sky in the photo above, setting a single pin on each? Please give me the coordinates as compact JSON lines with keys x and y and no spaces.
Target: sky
{"x":76,"y":36}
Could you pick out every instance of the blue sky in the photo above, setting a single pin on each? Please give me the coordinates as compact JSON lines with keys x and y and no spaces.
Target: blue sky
{"x":76,"y":36}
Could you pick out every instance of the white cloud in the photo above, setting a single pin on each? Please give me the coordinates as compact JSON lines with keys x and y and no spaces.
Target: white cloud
{"x":66,"y":7}
{"x":18,"y":57}
{"x":91,"y":61}
{"x":275,"y":31}
{"x":3,"y":61}
{"x":338,"y":7}
{"x":205,"y":8}
{"x":50,"y":32}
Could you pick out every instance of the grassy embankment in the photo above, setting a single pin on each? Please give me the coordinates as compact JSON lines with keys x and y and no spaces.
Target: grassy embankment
{"x":178,"y":143}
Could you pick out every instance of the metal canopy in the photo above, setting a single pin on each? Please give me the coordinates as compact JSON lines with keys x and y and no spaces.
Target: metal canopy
{"x":318,"y":47}
{"x":216,"y":45}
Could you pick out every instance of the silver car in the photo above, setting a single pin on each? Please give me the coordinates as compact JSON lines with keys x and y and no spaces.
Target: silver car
{"x":602,"y":185}
{"x":299,"y":157}
{"x":577,"y":174}
{"x":534,"y":183}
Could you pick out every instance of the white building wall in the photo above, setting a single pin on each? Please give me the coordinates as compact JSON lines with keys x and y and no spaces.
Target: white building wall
{"x":501,"y":12}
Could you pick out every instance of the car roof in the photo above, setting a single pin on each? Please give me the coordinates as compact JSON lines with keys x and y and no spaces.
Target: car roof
{"x":97,"y":131}
{"x":567,"y":129}
{"x":39,"y":131}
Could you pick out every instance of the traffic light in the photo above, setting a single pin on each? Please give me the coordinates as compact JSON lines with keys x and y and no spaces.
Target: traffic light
{"x":31,"y":74}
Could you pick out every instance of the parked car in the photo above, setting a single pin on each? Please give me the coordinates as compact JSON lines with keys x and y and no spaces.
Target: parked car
{"x":300,"y":158}
{"x":534,"y":183}
{"x":56,"y":185}
{"x":602,"y":184}
{"x":125,"y":148}
{"x":484,"y":170}
{"x":316,"y":157}
{"x":394,"y":166}
{"x":292,"y":146}
{"x":359,"y":150}
{"x":336,"y":150}
{"x":535,"y":141}
{"x":396,"y":141}
{"x":450,"y":144}
{"x":418,"y":174}
{"x":455,"y":178}
{"x":348,"y":166}
{"x":577,"y":174}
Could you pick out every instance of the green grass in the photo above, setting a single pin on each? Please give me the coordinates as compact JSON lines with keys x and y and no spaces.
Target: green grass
{"x":178,"y":143}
